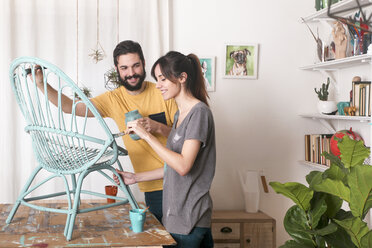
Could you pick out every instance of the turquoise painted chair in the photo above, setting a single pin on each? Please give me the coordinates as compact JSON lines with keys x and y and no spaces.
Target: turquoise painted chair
{"x":62,"y":143}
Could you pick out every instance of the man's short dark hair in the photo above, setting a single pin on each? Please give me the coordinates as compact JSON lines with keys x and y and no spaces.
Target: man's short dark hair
{"x":127,"y":46}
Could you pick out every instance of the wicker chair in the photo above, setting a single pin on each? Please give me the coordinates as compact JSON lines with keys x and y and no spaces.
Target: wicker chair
{"x":62,"y":143}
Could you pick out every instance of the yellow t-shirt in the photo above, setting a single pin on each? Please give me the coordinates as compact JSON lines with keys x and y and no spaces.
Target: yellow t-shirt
{"x":116,"y":103}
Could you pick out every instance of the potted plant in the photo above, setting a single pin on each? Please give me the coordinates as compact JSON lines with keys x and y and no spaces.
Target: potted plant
{"x":325,"y":106}
{"x":87,"y":92}
{"x":111,"y":79}
{"x":317,"y":219}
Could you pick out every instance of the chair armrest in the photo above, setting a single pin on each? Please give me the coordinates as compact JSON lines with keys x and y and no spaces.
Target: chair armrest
{"x":122,"y":151}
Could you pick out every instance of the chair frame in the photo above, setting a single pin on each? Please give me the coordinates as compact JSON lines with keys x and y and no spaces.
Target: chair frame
{"x":61,"y":148}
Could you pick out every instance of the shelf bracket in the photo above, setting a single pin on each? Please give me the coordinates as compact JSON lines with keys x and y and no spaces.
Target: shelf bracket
{"x":326,"y":23}
{"x":326,"y":124}
{"x":328,"y":73}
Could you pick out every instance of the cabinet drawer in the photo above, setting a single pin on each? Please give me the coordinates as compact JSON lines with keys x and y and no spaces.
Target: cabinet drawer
{"x":258,"y":235}
{"x":227,"y":245}
{"x":226,"y":231}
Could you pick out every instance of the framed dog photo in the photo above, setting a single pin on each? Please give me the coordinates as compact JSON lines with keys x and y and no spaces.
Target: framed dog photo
{"x":208,"y":69}
{"x":241,"y":61}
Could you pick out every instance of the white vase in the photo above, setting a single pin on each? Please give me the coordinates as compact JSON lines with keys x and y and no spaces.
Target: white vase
{"x":249,"y":182}
{"x":327,"y":107}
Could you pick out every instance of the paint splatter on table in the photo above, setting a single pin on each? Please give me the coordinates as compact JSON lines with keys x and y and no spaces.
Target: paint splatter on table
{"x":103,"y":228}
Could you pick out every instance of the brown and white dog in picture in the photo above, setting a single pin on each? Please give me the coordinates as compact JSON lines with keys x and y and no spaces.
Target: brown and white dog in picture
{"x":240,"y":62}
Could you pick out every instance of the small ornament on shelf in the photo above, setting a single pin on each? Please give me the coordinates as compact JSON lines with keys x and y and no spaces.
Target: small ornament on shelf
{"x":318,"y":41}
{"x":340,"y":40}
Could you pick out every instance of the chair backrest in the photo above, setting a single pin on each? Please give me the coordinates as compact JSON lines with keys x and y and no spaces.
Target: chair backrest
{"x":61,"y":142}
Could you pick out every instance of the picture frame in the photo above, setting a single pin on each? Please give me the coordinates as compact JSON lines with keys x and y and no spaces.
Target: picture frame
{"x":241,"y":61}
{"x":208,"y":69}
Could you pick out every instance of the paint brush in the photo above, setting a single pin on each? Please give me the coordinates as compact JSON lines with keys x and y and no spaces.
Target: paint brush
{"x":119,"y":134}
{"x":145,"y":210}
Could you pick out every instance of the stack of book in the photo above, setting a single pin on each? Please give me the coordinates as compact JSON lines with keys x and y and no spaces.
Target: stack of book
{"x":315,"y":145}
{"x":361,"y":98}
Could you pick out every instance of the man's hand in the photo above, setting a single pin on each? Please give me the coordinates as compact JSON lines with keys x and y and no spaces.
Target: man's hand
{"x":150,"y":125}
{"x":128,"y":177}
{"x":38,"y":76}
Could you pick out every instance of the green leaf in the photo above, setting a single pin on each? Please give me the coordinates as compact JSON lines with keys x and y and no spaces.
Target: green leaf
{"x":331,"y":228}
{"x":334,"y":159}
{"x":352,"y":152}
{"x":339,"y":239}
{"x":295,"y":223}
{"x":314,"y":178}
{"x":294,"y":244}
{"x":333,"y":203}
{"x":316,"y":213}
{"x":355,"y":227}
{"x":334,"y":187}
{"x":367,"y":240}
{"x":336,"y":173}
{"x":343,"y":215}
{"x":360,"y":183}
{"x":299,"y":193}
{"x":320,"y":242}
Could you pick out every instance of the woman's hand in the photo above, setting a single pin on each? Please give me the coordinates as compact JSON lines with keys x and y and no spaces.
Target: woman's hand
{"x":137,"y":127}
{"x":128,"y":177}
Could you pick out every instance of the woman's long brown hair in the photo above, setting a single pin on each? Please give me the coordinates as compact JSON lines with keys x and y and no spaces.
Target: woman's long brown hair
{"x":174,"y":63}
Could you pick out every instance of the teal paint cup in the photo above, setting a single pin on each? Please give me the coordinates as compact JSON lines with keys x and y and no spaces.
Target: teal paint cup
{"x":131,"y":116}
{"x":137,"y":219}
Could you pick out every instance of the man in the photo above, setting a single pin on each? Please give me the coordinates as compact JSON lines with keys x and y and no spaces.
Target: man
{"x":133,"y":93}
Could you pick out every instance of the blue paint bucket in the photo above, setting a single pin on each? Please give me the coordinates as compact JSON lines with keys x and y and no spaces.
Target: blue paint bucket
{"x":137,"y":219}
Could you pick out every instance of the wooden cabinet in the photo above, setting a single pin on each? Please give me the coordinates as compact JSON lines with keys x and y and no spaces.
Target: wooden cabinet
{"x":232,"y":229}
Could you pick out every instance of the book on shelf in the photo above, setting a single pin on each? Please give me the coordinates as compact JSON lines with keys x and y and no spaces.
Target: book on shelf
{"x":315,"y":145}
{"x":361,"y":98}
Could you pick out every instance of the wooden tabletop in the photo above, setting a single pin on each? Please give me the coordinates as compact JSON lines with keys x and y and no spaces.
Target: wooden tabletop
{"x":103,"y":228}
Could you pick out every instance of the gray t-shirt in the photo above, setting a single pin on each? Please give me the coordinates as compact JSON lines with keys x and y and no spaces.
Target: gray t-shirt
{"x":186,"y":200}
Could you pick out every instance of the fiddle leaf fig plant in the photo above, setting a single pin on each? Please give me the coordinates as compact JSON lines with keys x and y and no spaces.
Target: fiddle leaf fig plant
{"x":317,"y":219}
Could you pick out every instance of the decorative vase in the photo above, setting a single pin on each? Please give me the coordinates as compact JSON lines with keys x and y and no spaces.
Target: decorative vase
{"x":131,"y":116}
{"x":249,"y":182}
{"x":327,"y":107}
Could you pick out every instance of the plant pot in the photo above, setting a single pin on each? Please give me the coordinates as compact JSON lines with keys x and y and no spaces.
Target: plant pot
{"x":327,"y":107}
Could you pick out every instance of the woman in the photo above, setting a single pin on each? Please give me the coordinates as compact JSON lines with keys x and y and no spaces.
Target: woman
{"x":190,"y":154}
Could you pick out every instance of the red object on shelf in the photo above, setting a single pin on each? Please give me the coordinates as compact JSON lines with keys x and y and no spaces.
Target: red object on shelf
{"x":339,"y":134}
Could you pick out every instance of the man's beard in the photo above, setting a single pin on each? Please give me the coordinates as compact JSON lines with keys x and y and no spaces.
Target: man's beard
{"x":124,"y":81}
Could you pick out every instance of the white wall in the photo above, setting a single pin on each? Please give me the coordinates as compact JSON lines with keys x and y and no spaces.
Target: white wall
{"x":257,"y":121}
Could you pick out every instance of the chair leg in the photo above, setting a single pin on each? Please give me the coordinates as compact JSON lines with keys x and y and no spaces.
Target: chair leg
{"x":73,"y":181}
{"x":67,"y":225}
{"x":125,"y":188}
{"x":70,"y":222}
{"x":20,"y":197}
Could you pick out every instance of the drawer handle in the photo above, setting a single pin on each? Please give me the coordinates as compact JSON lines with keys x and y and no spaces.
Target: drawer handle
{"x":248,"y":240}
{"x":226,"y":229}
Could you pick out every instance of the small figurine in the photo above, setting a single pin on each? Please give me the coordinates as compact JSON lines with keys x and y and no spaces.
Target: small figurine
{"x":340,"y":39}
{"x":350,"y":110}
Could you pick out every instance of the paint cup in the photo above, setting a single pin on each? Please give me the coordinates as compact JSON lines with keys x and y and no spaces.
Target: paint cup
{"x":131,"y":116}
{"x":137,"y":219}
{"x":111,"y":190}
